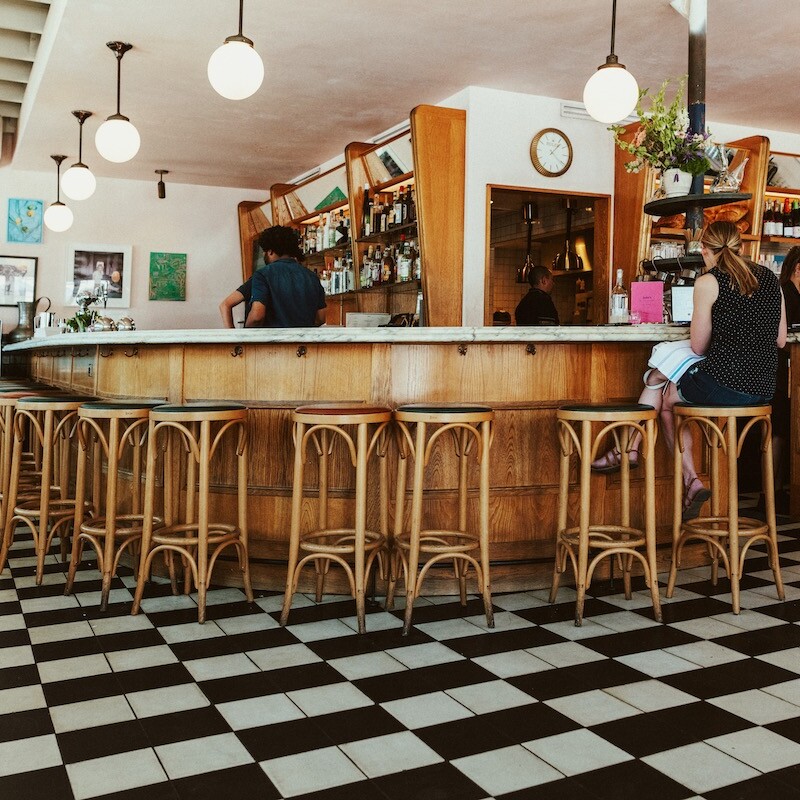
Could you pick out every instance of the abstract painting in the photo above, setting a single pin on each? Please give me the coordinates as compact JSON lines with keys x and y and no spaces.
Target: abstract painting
{"x":167,"y":276}
{"x":24,"y":221}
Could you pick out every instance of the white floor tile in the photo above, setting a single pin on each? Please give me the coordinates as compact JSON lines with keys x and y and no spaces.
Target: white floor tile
{"x":190,"y":632}
{"x":792,"y":592}
{"x":207,"y":669}
{"x":565,"y":654}
{"x":786,"y":659}
{"x":407,"y":752}
{"x":366,"y":665}
{"x":706,"y":628}
{"x":274,"y":602}
{"x":587,"y":630}
{"x":48,"y":579}
{"x":21,"y":698}
{"x":788,"y":691}
{"x":506,"y":770}
{"x":756,"y":706}
{"x":310,"y":772}
{"x":566,"y":594}
{"x":61,"y":632}
{"x":167,"y":700}
{"x":24,"y":755}
{"x":92,"y":599}
{"x":257,"y":711}
{"x":218,"y":597}
{"x":759,"y":748}
{"x":114,"y":773}
{"x":325,"y":629}
{"x":448,"y":629}
{"x":515,"y":602}
{"x":638,"y":600}
{"x":196,"y":756}
{"x":247,"y":624}
{"x":290,"y":655}
{"x":65,"y":669}
{"x":592,"y":707}
{"x":705,"y":654}
{"x":379,"y":621}
{"x":424,"y":655}
{"x":90,"y":714}
{"x":426,"y":709}
{"x":8,"y":595}
{"x":749,"y":620}
{"x":152,"y":605}
{"x":656,"y":663}
{"x":650,"y":695}
{"x":483,"y":698}
{"x":577,"y":751}
{"x":329,"y":699}
{"x":503,"y":621}
{"x":55,"y":603}
{"x":625,"y":621}
{"x":701,"y":767}
{"x":512,"y":663}
{"x":121,"y":624}
{"x":12,"y":622}
{"x":19,"y":656}
{"x":141,"y":658}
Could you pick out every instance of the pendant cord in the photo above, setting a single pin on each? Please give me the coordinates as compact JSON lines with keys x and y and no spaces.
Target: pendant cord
{"x":80,"y":142}
{"x":613,"y":24}
{"x":119,"y":78}
{"x":241,"y":15}
{"x":58,"y":182}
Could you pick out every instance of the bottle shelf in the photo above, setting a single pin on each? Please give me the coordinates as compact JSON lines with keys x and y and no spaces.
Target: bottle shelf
{"x":672,"y":264}
{"x":781,"y":191}
{"x":666,"y":206}
{"x":387,"y":235}
{"x":780,"y":239}
{"x":336,"y":250}
{"x":403,"y":286}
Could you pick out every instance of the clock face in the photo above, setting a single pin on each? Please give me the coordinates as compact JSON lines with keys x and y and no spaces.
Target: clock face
{"x":551,"y":152}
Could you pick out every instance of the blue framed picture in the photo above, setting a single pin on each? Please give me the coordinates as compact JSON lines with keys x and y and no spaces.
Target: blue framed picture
{"x":24,"y":221}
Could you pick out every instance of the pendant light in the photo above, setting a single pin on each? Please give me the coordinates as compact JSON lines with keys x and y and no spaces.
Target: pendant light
{"x":162,"y":188}
{"x":235,"y":69}
{"x":78,"y":182}
{"x":117,"y":139}
{"x":58,"y":217}
{"x":611,"y":93}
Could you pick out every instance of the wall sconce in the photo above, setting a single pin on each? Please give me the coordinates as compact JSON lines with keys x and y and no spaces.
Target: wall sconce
{"x":58,"y":217}
{"x":235,"y":69}
{"x":78,"y":182}
{"x":162,"y":188}
{"x":612,"y":92}
{"x":117,"y":139}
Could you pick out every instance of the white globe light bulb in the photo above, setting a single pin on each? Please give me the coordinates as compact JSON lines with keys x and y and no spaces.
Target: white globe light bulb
{"x":235,"y":70}
{"x":611,"y":94}
{"x":117,"y":140}
{"x":58,"y":217}
{"x":78,"y":182}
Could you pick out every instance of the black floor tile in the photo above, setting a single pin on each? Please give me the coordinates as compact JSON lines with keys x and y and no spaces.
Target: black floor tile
{"x":153,"y":791}
{"x":77,"y":690}
{"x":101,"y":741}
{"x":10,"y":607}
{"x":553,"y":683}
{"x":67,"y":648}
{"x":369,"y":642}
{"x":361,"y":790}
{"x":137,"y":680}
{"x":45,"y":590}
{"x":324,"y":611}
{"x":283,"y":739}
{"x":561,"y":612}
{"x":638,"y":641}
{"x":358,"y":723}
{"x":238,"y":643}
{"x":239,"y":687}
{"x":690,"y":609}
{"x":11,"y":677}
{"x":167,"y":728}
{"x":302,"y":677}
{"x":644,"y":734}
{"x":423,"y":680}
{"x":765,"y":640}
{"x":462,"y":737}
{"x":435,"y":782}
{"x":524,"y":723}
{"x":790,"y":728}
{"x":129,"y":640}
{"x":58,"y":617}
{"x":764,"y":787}
{"x":789,"y":611}
{"x":632,"y":780}
{"x":736,"y":676}
{"x":248,"y":782}
{"x":789,"y":777}
{"x":441,"y":611}
{"x":40,"y":784}
{"x":14,"y":638}
{"x":241,"y":608}
{"x":24,"y":725}
{"x":483,"y":645}
{"x":565,"y":789}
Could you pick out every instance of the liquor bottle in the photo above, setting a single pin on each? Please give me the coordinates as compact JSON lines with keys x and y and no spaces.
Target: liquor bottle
{"x":777,"y":218}
{"x":412,"y":204}
{"x":319,"y":243}
{"x":388,"y":273}
{"x":398,"y":206}
{"x":342,"y":232}
{"x":404,"y":264}
{"x":619,"y":301}
{"x":787,"y":219}
{"x":796,"y":219}
{"x":768,"y":218}
{"x":377,"y":272}
{"x":366,"y":229}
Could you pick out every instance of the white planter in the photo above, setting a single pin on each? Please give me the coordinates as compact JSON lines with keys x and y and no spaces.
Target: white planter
{"x":675,"y":182}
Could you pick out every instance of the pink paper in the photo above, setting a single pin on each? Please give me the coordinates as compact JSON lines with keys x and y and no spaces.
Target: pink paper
{"x":647,"y":299}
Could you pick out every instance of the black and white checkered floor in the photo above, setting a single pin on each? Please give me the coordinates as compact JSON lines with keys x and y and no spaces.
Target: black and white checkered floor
{"x":157,"y":706}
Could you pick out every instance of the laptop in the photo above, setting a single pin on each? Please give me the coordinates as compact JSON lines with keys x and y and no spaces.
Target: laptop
{"x":682,"y":304}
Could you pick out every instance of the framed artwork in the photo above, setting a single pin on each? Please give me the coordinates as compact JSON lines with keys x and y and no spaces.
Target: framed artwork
{"x":103,"y":269}
{"x":17,"y":279}
{"x":167,"y":276}
{"x":24,"y":221}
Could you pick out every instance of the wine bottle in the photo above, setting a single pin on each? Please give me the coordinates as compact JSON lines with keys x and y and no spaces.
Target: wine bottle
{"x":619,"y":301}
{"x":366,"y":230}
{"x":767,"y":226}
{"x":398,"y":206}
{"x":787,"y":219}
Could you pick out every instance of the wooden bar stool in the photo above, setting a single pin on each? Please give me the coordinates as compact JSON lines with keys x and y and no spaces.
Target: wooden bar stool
{"x":323,"y":424}
{"x":727,"y":536}
{"x":45,"y":509}
{"x":577,"y":543}
{"x":200,"y":430}
{"x":116,"y":429}
{"x":471,"y":427}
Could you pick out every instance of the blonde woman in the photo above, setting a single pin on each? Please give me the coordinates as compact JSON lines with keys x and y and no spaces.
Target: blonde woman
{"x":738,"y":324}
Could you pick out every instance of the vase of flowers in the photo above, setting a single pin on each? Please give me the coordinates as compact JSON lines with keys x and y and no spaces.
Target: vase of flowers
{"x":664,"y":142}
{"x":85,"y":317}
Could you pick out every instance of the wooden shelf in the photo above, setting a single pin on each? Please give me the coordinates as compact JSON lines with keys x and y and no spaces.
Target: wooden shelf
{"x":388,"y":235}
{"x":398,"y":180}
{"x":407,"y":286}
{"x":672,"y":264}
{"x":780,"y":239}
{"x":778,"y":191}
{"x":337,"y":250}
{"x":666,"y":206}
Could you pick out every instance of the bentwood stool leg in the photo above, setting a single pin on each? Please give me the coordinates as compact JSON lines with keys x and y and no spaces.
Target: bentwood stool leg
{"x":294,"y":532}
{"x":80,"y":497}
{"x":416,"y":524}
{"x":677,"y":504}
{"x":145,"y":556}
{"x":650,"y":515}
{"x":361,"y":525}
{"x":583,"y":543}
{"x":769,"y":506}
{"x":396,"y":563}
{"x":486,"y":434}
{"x":560,"y":558}
{"x":733,"y":512}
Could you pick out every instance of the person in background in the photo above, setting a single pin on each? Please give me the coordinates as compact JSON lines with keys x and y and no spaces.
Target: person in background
{"x":537,"y":307}
{"x":781,"y":415}
{"x":284,"y":293}
{"x":235,"y":298}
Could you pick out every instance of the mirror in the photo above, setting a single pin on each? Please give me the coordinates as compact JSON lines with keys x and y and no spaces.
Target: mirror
{"x":317,"y":194}
{"x":783,"y":171}
{"x":390,"y":160}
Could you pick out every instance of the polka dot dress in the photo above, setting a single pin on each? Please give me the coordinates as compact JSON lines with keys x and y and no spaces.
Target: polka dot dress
{"x":743,"y":354}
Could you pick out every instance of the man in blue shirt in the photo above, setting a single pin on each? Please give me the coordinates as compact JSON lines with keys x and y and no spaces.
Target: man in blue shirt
{"x":284,"y":293}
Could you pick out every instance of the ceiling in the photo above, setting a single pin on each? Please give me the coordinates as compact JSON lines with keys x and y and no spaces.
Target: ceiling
{"x":345,"y":70}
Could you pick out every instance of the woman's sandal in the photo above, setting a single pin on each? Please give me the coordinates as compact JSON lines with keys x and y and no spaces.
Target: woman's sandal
{"x":611,"y":461}
{"x":693,"y":501}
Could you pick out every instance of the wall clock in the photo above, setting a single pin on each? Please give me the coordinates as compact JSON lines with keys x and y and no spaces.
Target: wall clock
{"x":551,"y":152}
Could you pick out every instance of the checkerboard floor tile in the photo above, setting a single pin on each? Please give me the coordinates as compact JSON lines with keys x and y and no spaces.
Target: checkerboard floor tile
{"x":705,"y":705}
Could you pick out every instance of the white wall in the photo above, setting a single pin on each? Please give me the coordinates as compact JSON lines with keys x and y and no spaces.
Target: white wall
{"x":200,"y":221}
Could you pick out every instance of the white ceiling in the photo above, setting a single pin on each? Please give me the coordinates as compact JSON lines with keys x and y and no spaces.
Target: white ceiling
{"x":344,"y":70}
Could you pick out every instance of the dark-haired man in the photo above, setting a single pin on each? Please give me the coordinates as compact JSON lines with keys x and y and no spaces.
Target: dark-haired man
{"x":284,"y":293}
{"x":537,"y":307}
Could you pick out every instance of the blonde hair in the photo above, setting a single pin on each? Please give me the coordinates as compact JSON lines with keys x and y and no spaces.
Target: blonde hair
{"x":723,"y":240}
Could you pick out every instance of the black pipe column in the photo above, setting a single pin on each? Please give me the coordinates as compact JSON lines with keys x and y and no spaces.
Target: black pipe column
{"x":696,"y":90}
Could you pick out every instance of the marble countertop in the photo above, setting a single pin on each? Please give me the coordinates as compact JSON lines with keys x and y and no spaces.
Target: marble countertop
{"x":568,"y":334}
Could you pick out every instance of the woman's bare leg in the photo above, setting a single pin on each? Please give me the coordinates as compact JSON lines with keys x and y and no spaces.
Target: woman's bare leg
{"x":671,"y":397}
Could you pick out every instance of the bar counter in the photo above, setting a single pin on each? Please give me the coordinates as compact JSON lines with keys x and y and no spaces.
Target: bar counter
{"x":523,"y":373}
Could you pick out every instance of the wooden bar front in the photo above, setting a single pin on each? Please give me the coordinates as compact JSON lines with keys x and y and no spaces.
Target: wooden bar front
{"x":523,"y":375}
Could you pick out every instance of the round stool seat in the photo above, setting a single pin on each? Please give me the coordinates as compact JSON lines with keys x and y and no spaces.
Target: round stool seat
{"x":341,"y":414}
{"x":609,"y":412}
{"x":202,"y":408}
{"x":720,"y":410}
{"x":52,"y":402}
{"x":123,"y":410}
{"x":198,"y":412}
{"x":443,"y":412}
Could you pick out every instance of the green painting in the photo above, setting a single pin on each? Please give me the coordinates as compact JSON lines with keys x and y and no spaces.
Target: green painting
{"x":167,"y":276}
{"x":336,"y":195}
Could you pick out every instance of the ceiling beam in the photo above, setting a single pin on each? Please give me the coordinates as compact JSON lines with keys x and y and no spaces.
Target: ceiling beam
{"x":12,"y":92}
{"x":12,"y":69}
{"x":19,"y":45}
{"x":9,"y":109}
{"x":23,"y":15}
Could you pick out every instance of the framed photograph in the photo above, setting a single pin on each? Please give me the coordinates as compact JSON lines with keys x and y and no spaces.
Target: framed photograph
{"x":17,"y":279}
{"x":102,"y":269}
{"x":167,"y":276}
{"x":24,"y":221}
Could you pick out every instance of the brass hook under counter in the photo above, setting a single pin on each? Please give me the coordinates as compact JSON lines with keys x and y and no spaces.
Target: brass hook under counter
{"x":131,"y":352}
{"x":301,"y":351}
{"x":106,"y":352}
{"x":80,"y":352}
{"x":462,"y":349}
{"x":530,"y":349}
{"x":237,"y":351}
